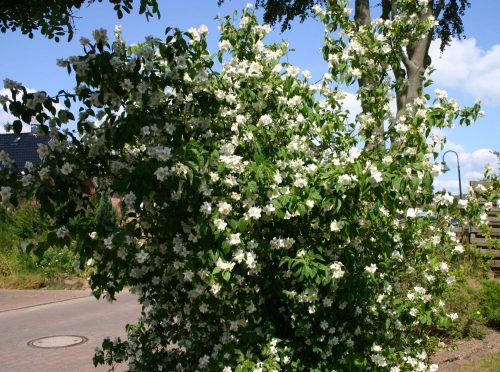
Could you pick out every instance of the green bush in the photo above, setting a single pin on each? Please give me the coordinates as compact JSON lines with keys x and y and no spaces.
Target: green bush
{"x":490,"y":303}
{"x":477,"y":304}
{"x":56,"y":261}
{"x":26,"y":223}
{"x":259,"y":231}
{"x":19,"y":225}
{"x":464,"y":300}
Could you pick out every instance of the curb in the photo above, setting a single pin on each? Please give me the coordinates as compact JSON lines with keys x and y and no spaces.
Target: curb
{"x":45,"y":303}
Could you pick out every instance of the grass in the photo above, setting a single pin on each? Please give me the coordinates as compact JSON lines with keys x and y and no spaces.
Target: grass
{"x":21,"y":270}
{"x":22,"y":281}
{"x":490,"y":363}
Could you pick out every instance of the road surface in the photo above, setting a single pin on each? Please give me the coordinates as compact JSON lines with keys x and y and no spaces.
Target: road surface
{"x":81,"y":317}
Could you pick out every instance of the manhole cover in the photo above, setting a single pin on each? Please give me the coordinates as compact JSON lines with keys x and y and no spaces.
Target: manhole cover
{"x":54,"y":342}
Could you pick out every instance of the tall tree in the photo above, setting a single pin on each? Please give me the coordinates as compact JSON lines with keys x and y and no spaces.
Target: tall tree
{"x":409,"y":75}
{"x":55,"y":18}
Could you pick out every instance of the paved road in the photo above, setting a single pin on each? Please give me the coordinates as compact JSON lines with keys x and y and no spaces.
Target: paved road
{"x":83,"y":316}
{"x":11,"y":299}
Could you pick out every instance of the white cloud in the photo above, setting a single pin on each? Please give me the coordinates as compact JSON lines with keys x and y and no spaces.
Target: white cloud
{"x":471,"y":166}
{"x":448,"y":185}
{"x":351,"y":103}
{"x":468,"y":68}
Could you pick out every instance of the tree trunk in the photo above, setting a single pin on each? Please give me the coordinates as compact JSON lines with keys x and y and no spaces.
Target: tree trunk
{"x":411,"y":78}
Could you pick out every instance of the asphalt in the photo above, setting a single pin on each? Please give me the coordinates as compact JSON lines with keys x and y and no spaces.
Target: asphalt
{"x":29,"y":315}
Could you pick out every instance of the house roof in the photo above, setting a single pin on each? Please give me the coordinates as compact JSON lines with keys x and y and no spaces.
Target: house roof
{"x":22,"y":147}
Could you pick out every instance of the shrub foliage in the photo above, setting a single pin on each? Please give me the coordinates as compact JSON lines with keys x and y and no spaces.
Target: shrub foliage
{"x":259,"y":227}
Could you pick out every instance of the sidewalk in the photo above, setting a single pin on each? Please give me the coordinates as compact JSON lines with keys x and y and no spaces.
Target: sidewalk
{"x":11,"y":299}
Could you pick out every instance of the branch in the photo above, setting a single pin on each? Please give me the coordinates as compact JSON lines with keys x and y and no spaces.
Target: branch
{"x":438,"y":8}
{"x":362,"y":12}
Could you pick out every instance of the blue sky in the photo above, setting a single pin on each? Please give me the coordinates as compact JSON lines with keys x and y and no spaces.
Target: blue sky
{"x":467,"y":69}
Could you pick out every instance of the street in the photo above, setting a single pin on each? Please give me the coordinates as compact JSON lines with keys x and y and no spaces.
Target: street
{"x":85,"y":317}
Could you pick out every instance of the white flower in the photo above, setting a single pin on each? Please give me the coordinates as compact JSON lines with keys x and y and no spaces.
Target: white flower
{"x":317,"y":8}
{"x":214,"y":176}
{"x":371,"y":269}
{"x":268,"y":209}
{"x":441,"y":94}
{"x":443,"y":266}
{"x":310,"y":203}
{"x":376,"y":348}
{"x":445,"y":199}
{"x":43,"y":150}
{"x":220,"y":224}
{"x":5,"y":193}
{"x":354,"y":153}
{"x":387,"y":160}
{"x":396,"y":255}
{"x":347,"y":179}
{"x":5,"y":159}
{"x":62,"y":232}
{"x":356,"y":72}
{"x":376,"y":175}
{"x":223,"y":265}
{"x":206,"y":208}
{"x":66,"y":169}
{"x":277,"y":178}
{"x":100,"y":35}
{"x":379,"y":360}
{"x":239,"y":256}
{"x":203,"y":30}
{"x":437,"y":169}
{"x":299,"y":182}
{"x":250,"y":260}
{"x":254,"y":212}
{"x":235,"y":239}
{"x":453,"y":316}
{"x":224,"y":208}
{"x":203,"y":361}
{"x":265,"y":120}
{"x":129,"y":200}
{"x":26,"y":180}
{"x":413,"y":312}
{"x":108,"y":242}
{"x":411,"y":213}
{"x":336,"y":269}
{"x":188,"y":275}
{"x":334,"y":226}
{"x":193,"y":32}
{"x":215,"y":288}
{"x":141,"y":256}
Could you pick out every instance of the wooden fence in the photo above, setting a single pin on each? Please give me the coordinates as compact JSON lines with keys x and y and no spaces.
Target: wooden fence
{"x":488,"y":245}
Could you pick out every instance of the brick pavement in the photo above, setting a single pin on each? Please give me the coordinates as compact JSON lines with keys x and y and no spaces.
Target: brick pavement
{"x":82,"y":316}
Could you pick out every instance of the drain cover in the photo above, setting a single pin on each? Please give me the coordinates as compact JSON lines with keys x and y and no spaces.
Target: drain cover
{"x":55,"y":342}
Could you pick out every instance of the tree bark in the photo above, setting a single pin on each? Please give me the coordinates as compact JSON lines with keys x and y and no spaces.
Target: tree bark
{"x":410,"y":79}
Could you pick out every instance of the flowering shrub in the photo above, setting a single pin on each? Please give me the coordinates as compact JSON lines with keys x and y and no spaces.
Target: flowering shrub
{"x":259,"y":227}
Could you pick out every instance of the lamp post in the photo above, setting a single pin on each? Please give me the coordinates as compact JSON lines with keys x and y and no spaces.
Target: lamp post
{"x":446,"y":169}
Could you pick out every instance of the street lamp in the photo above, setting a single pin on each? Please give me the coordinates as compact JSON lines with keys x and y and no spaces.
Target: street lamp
{"x":446,"y":169}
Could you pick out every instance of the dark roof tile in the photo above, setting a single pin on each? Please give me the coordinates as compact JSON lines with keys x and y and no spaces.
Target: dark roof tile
{"x":22,"y":147}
